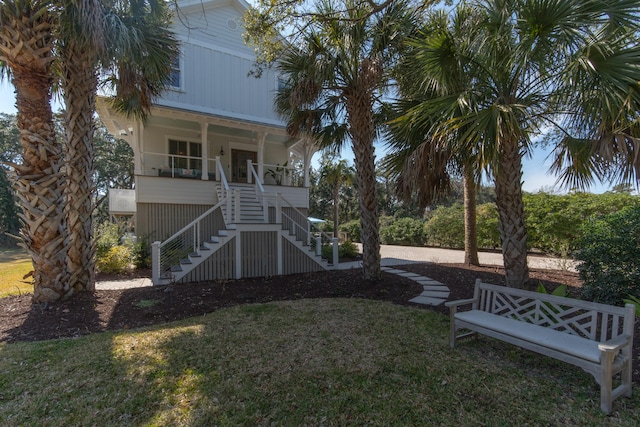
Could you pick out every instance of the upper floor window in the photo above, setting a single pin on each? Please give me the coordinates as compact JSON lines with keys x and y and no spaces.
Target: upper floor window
{"x":175,"y":77}
{"x":281,"y":83}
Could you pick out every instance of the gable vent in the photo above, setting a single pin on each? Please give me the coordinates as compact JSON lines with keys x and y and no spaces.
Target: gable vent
{"x":232,"y":24}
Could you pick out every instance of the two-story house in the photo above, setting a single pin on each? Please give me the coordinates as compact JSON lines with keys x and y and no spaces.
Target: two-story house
{"x":220,"y":188}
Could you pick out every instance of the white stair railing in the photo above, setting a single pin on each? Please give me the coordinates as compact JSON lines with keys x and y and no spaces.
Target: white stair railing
{"x":261,"y":195}
{"x":301,"y":227}
{"x":305,"y":230}
{"x":186,"y":241}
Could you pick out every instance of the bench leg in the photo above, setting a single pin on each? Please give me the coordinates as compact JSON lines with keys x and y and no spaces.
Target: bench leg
{"x":606,"y":380}
{"x":626,"y":377}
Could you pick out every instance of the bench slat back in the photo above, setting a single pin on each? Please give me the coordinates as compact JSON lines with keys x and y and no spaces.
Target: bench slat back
{"x":596,"y":322}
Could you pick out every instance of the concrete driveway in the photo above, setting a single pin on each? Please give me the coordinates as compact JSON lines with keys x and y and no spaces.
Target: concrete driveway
{"x":397,"y":255}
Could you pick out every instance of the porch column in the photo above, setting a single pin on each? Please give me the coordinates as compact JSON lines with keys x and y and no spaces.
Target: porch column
{"x":204,"y":128}
{"x":309,"y":149}
{"x":137,"y":134}
{"x":260,"y":140}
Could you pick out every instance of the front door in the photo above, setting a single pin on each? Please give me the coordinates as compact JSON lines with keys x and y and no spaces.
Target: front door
{"x":239,"y":171}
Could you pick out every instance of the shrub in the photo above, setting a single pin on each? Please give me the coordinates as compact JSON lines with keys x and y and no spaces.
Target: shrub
{"x":141,"y":251}
{"x":107,"y":238}
{"x":487,"y":225}
{"x":608,"y":251}
{"x":352,"y":228}
{"x":554,"y":221}
{"x":345,"y":250}
{"x":117,"y":259}
{"x":445,"y":227}
{"x":403,"y":231}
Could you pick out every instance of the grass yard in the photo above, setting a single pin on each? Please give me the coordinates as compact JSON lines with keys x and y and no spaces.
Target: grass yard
{"x":306,"y":362}
{"x":14,"y":264}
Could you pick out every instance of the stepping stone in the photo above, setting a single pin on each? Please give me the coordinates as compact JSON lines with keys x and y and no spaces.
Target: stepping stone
{"x":427,"y":300}
{"x":425,"y":281}
{"x":394,"y":271}
{"x":409,"y":275}
{"x":435,"y":294}
{"x":435,"y":288}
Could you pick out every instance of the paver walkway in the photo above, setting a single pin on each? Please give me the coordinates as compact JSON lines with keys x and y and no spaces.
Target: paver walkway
{"x":434,"y":292}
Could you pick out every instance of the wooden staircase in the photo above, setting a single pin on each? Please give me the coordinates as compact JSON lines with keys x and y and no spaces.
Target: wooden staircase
{"x":179,"y":255}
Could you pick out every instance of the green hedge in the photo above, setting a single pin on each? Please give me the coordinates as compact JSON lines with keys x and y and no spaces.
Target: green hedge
{"x":608,"y":254}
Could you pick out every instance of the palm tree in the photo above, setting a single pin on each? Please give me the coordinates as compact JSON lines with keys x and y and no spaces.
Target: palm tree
{"x":336,"y":175}
{"x":529,"y":61}
{"x":26,"y":53}
{"x":94,"y":35}
{"x":129,"y":37}
{"x":333,"y":83}
{"x":421,"y":163}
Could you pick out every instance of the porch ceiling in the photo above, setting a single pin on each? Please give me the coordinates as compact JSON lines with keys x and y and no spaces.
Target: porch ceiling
{"x":190,"y":121}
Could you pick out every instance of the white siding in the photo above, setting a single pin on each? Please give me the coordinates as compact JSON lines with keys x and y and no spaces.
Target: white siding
{"x":218,"y":83}
{"x":210,"y":26}
{"x":215,"y":66}
{"x":175,"y":190}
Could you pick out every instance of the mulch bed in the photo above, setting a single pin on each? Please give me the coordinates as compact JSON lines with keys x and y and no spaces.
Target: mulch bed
{"x":100,"y":311}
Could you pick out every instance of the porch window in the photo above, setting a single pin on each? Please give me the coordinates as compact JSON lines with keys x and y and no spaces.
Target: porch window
{"x":185,"y":154}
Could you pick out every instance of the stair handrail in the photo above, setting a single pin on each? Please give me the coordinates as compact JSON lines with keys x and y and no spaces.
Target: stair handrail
{"x":309,"y":224}
{"x":223,"y":178}
{"x":156,"y":247}
{"x":258,"y":188}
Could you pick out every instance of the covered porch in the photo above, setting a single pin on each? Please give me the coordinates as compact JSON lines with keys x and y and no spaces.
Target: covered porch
{"x":187,"y":145}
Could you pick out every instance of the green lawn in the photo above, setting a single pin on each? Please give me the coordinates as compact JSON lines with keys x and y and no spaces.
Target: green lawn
{"x":14,"y":265}
{"x":313,"y":362}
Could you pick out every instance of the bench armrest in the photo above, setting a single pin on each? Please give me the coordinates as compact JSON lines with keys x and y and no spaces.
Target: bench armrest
{"x":459,"y":302}
{"x":615,"y":344}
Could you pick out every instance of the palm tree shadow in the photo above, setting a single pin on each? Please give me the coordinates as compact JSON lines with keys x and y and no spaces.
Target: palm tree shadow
{"x":52,"y":319}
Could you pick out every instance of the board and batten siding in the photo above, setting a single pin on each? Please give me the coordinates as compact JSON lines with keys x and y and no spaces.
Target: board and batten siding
{"x":294,"y":261}
{"x":219,"y":266}
{"x":218,"y":83}
{"x":259,"y":253}
{"x":158,"y":221}
{"x":210,"y":24}
{"x":259,"y":258}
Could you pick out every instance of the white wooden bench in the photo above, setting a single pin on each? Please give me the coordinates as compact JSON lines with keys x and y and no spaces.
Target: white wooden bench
{"x":596,"y":337}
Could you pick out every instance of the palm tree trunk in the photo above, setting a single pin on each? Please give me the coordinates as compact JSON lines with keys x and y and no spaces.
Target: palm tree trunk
{"x":26,"y":46}
{"x":511,"y":213}
{"x":470,"y":225}
{"x":79,"y":85}
{"x":362,"y":129}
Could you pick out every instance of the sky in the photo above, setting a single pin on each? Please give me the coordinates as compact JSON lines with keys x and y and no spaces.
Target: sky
{"x":535,"y":170}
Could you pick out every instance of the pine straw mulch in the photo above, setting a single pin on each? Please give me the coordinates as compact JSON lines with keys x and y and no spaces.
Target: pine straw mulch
{"x":104,"y":310}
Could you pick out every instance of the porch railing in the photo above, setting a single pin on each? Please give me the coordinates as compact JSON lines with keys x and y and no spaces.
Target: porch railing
{"x":179,"y":166}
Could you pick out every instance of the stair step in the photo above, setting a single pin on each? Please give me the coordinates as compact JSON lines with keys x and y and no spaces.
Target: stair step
{"x":223,"y":233}
{"x":194,"y":255}
{"x":185,"y":261}
{"x":176,"y":268}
